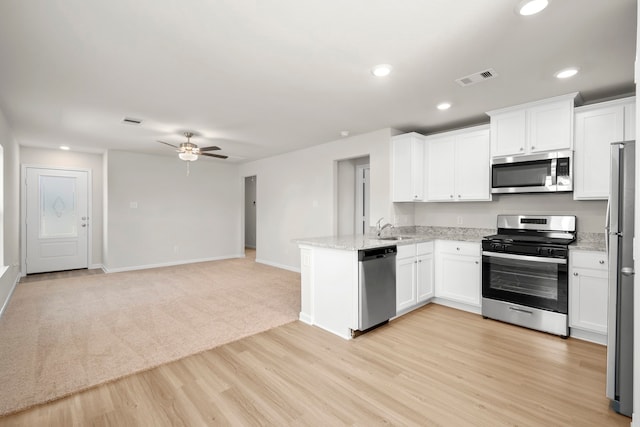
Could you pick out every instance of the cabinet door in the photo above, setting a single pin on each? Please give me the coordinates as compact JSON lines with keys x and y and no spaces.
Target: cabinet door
{"x":549,"y":126}
{"x":441,"y":168}
{"x":588,"y":300}
{"x":405,"y":283}
{"x":473,"y":166}
{"x":595,"y":131}
{"x":424,"y":277}
{"x":508,"y":133}
{"x":459,"y":278}
{"x":407,"y":153}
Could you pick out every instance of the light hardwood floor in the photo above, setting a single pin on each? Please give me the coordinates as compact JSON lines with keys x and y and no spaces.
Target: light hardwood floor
{"x":435,"y":366}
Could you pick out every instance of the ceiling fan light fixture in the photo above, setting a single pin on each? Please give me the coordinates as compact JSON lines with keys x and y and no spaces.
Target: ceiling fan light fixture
{"x":188,"y":156}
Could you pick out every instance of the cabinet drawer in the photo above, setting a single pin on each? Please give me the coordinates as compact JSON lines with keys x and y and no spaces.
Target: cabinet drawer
{"x":424,"y":248}
{"x":589,"y":259}
{"x":459,"y":248}
{"x":406,"y":251}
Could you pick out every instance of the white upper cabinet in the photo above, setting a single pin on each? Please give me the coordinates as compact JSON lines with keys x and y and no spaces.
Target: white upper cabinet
{"x":596,"y":127}
{"x":535,"y":127}
{"x":407,"y":160}
{"x":458,"y":165}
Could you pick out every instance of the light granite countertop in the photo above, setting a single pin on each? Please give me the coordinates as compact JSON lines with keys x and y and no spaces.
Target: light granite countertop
{"x":589,"y":242}
{"x":409,"y":235}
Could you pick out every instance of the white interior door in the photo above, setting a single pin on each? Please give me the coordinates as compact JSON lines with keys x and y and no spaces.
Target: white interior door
{"x":56,"y":220}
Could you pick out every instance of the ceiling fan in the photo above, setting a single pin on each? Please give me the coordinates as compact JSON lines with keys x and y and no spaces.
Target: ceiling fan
{"x":189,"y":152}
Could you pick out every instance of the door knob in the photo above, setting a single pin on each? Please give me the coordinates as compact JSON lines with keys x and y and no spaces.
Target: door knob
{"x":575,"y":273}
{"x":627,"y":271}
{"x":84,"y":225}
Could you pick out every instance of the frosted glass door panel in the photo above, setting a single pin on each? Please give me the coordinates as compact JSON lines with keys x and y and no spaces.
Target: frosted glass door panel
{"x":58,"y":210}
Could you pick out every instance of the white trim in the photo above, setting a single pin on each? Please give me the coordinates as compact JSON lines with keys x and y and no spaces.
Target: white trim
{"x":23,"y":207}
{"x":5,"y":304}
{"x":277,"y":265}
{"x":168,"y":264}
{"x":458,"y":305}
{"x":593,"y":337}
{"x":305,"y":318}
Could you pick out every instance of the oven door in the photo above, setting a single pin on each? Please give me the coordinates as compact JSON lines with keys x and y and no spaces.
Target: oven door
{"x":532,"y":281}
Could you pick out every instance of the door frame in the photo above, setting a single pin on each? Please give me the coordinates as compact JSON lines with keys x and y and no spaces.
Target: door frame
{"x":244,"y":213}
{"x":23,"y":211}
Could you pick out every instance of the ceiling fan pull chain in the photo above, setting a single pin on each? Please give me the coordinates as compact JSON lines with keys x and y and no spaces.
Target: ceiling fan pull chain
{"x":188,"y":169}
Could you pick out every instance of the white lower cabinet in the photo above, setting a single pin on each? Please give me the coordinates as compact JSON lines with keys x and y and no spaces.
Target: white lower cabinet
{"x":414,"y":275}
{"x":458,"y":274}
{"x":588,"y":293}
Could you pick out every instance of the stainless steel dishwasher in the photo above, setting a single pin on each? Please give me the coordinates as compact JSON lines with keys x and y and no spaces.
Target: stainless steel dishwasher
{"x":377,"y":286}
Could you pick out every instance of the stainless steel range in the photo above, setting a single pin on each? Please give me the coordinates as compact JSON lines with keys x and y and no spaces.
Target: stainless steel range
{"x":524,"y":271}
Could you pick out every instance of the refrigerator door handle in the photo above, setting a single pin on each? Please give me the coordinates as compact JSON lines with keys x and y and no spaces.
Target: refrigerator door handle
{"x":627,"y":271}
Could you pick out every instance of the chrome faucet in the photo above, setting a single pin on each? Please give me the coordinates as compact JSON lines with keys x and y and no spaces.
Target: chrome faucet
{"x":380,"y":227}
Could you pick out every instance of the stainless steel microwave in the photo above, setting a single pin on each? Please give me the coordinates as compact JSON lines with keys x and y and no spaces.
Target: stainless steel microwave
{"x":536,"y":173}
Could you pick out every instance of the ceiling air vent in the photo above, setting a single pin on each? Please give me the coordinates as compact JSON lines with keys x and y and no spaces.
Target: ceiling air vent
{"x":131,"y":121}
{"x":477,"y":77}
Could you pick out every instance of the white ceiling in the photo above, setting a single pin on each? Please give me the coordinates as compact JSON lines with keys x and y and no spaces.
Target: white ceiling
{"x":264,"y":77}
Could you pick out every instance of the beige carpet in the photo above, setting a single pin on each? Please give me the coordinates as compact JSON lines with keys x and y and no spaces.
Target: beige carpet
{"x":61,"y":336}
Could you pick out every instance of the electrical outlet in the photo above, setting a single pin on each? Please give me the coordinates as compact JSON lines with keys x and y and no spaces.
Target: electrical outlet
{"x":175,"y":249}
{"x":459,"y":220}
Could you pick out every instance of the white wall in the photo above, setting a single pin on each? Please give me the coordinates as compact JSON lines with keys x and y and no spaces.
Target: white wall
{"x":11,"y":211}
{"x":297,"y":193}
{"x":590,"y":214}
{"x":178,"y":218}
{"x":69,"y":159}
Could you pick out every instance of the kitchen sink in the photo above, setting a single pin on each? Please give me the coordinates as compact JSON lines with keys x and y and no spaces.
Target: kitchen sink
{"x":394,"y":238}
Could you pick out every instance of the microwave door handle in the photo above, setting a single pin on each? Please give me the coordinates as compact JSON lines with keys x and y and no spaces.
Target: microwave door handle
{"x":554,"y":169}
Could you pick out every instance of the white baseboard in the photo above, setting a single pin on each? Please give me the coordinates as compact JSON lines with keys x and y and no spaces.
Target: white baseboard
{"x":305,"y":318}
{"x":96,"y":267}
{"x":16,"y":279}
{"x":275,"y":264}
{"x":458,"y":305}
{"x":588,"y":336}
{"x":168,"y":264}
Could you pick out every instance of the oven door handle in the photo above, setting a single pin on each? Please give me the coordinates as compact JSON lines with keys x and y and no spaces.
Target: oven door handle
{"x":525,"y":257}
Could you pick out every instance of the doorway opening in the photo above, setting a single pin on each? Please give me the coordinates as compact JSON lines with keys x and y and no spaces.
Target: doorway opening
{"x":250,"y":212}
{"x":352,"y":207}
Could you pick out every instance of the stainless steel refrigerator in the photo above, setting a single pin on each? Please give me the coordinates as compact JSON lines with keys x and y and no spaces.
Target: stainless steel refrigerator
{"x":620,"y":220}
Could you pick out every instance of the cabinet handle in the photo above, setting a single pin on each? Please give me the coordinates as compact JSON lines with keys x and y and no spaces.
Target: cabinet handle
{"x":575,"y":273}
{"x":457,"y":249}
{"x":601,"y":261}
{"x":477,"y":262}
{"x":533,"y":148}
{"x":521,"y":149}
{"x":451,"y":196}
{"x":459,"y":196}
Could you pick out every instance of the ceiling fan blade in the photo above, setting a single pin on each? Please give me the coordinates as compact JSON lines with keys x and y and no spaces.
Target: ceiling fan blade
{"x":166,"y":143}
{"x":220,"y":156}
{"x":212,"y":148}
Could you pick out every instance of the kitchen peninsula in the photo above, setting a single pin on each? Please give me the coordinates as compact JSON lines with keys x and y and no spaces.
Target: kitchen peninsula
{"x":439,"y":264}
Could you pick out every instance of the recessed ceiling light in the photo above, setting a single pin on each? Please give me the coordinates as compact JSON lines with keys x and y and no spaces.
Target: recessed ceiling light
{"x":444,"y":106}
{"x":344,"y":133}
{"x":566,"y":73}
{"x":65,"y":147}
{"x":531,"y":7}
{"x":381,"y":70}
